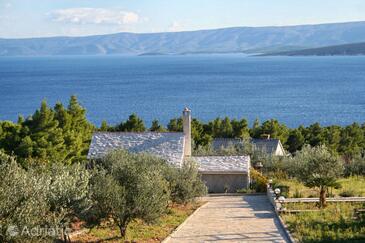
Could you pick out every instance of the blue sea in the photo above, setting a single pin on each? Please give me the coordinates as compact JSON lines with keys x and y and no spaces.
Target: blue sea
{"x":294,"y":90}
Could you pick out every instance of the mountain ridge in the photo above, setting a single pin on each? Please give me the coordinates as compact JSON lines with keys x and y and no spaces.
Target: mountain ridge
{"x":352,"y":49}
{"x":232,"y":39}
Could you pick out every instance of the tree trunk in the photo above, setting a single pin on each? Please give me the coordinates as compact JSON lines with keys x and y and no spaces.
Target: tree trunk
{"x":322,"y":197}
{"x":122,"y":230}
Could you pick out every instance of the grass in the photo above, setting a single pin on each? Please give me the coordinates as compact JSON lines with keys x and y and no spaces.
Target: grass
{"x":351,"y":186}
{"x":333,"y":224}
{"x":138,"y":231}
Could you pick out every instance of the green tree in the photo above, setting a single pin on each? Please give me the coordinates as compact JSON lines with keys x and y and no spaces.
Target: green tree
{"x":138,"y":178}
{"x":104,"y":127}
{"x":216,"y":127}
{"x":10,"y":136}
{"x":240,"y":128}
{"x":275,"y":130}
{"x":317,"y":167}
{"x":295,"y":141}
{"x":332,"y":136}
{"x":67,"y":194}
{"x":352,"y":140}
{"x":76,"y":129}
{"x":157,"y":127}
{"x":226,"y":129}
{"x":175,"y":125}
{"x":200,"y":138}
{"x":23,"y":201}
{"x":133,"y":124}
{"x":255,"y":131}
{"x":43,"y":138}
{"x":315,"y":135}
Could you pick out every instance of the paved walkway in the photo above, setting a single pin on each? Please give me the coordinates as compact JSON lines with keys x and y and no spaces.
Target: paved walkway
{"x":232,"y":219}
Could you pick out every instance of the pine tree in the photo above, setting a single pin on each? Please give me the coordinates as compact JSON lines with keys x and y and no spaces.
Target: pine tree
{"x":44,"y":139}
{"x":104,"y":127}
{"x":240,"y":128}
{"x":133,"y":124}
{"x":295,"y":141}
{"x":255,"y":131}
{"x":157,"y":127}
{"x":226,"y":128}
{"x":76,"y":129}
{"x":175,"y":125}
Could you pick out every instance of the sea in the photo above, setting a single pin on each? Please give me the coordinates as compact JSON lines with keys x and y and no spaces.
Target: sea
{"x":294,"y":90}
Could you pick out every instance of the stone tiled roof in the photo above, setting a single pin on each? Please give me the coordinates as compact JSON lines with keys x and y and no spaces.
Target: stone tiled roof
{"x":223,"y":163}
{"x":169,"y":146}
{"x":218,"y":143}
{"x":265,"y":145}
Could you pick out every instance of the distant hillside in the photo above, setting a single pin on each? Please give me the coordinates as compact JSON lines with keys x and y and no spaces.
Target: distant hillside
{"x":228,"y":40}
{"x":339,"y":50}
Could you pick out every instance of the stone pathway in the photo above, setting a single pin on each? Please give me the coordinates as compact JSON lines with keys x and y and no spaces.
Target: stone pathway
{"x":232,"y":219}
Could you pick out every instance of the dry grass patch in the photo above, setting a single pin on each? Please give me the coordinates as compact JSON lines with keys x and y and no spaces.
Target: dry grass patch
{"x":138,"y":231}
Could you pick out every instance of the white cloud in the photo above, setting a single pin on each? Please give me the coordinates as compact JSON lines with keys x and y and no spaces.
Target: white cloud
{"x":175,"y":26}
{"x":94,"y":16}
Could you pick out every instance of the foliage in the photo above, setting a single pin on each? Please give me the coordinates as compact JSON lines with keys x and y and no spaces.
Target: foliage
{"x":333,"y":224}
{"x":157,"y":127}
{"x":138,"y":179}
{"x":133,"y":124}
{"x":317,"y":167}
{"x":76,"y":129}
{"x":63,"y":134}
{"x":258,"y":181}
{"x":185,"y":183}
{"x":57,"y":134}
{"x":355,"y":166}
{"x":40,"y":198}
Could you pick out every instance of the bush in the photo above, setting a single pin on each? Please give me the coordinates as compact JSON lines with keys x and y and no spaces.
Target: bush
{"x":347,"y":193}
{"x":284,"y":189}
{"x":185,"y":183}
{"x":355,"y":167}
{"x":258,"y":181}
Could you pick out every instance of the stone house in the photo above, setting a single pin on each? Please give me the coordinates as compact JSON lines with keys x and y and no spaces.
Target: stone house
{"x":220,"y":173}
{"x":267,"y":145}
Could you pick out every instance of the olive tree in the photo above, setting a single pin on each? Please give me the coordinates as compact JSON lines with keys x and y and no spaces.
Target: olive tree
{"x":317,"y":167}
{"x":185,"y":183}
{"x":39,"y":203}
{"x":67,"y":195}
{"x":22,"y":202}
{"x":137,"y":188}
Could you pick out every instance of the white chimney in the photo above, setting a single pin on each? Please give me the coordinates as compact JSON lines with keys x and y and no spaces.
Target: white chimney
{"x":187,"y":131}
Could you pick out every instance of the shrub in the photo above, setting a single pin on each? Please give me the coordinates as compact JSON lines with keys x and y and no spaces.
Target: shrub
{"x":347,"y":193}
{"x":355,"y":167}
{"x":284,"y":189}
{"x":185,"y":183}
{"x":258,"y":181}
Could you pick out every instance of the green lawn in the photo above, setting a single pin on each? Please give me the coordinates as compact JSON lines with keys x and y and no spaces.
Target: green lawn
{"x":333,"y":224}
{"x":352,"y":186}
{"x":138,"y":231}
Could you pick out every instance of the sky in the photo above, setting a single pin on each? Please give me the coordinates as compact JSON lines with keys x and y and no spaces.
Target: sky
{"x":43,"y":18}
